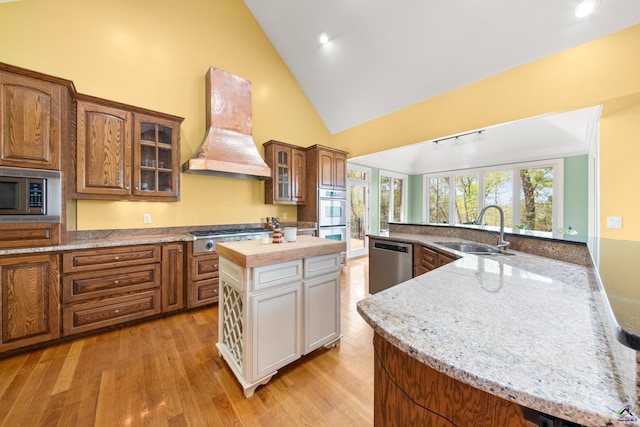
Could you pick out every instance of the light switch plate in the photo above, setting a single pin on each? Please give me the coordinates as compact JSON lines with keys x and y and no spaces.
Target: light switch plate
{"x":147,"y":218}
{"x":614,"y":222}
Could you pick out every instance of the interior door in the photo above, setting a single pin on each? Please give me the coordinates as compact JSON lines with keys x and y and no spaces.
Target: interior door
{"x":358,"y":221}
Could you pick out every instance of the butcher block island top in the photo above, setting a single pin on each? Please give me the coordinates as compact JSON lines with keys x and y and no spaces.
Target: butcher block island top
{"x":253,"y":253}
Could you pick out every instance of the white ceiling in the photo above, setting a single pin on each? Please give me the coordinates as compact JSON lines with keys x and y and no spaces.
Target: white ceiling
{"x":537,"y":138}
{"x":385,"y":56}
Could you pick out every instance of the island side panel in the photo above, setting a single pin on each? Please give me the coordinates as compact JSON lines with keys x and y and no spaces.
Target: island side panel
{"x":407,"y":392}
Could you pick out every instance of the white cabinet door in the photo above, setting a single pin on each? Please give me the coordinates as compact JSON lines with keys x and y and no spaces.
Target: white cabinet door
{"x":321,"y":311}
{"x":276,"y":329}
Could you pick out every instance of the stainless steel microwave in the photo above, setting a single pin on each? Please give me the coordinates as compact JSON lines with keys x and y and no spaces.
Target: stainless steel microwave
{"x":29,"y":195}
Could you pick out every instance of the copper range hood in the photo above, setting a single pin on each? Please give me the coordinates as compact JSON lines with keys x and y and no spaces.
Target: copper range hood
{"x":228,"y":149}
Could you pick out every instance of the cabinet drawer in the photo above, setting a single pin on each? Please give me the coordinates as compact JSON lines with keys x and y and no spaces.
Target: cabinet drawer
{"x":429,"y":259}
{"x":204,"y":267}
{"x":29,"y":235}
{"x":111,"y":311}
{"x":270,"y":276}
{"x":203,"y":292}
{"x":107,"y":283}
{"x":98,"y":259}
{"x":321,"y":265}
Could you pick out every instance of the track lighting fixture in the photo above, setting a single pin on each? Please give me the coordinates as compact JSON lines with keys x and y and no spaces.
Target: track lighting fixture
{"x":459,"y":140}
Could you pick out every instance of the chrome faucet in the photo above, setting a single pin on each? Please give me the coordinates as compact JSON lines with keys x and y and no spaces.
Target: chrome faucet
{"x":502,"y":244}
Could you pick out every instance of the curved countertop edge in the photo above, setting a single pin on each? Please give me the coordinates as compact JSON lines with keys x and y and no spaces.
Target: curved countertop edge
{"x":382,"y":323}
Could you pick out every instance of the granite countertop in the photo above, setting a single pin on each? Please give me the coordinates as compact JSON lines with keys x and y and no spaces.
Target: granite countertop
{"x":94,"y":243}
{"x":529,"y":329}
{"x":252,"y":253}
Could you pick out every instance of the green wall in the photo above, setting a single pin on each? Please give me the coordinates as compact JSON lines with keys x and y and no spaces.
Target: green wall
{"x":576,"y":196}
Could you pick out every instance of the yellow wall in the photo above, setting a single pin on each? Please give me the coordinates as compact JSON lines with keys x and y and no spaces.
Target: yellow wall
{"x":583,"y":76}
{"x":154,"y":54}
{"x":619,"y":161}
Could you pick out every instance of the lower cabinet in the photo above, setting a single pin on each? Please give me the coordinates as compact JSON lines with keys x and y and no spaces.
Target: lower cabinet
{"x":172,"y":275}
{"x":109,"y":286}
{"x":276,"y":329}
{"x":29,"y":309}
{"x":271,"y":315}
{"x":202,"y":279}
{"x":427,"y":259}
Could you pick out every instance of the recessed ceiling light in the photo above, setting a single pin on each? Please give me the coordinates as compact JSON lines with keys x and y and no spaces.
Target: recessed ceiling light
{"x":323,"y":38}
{"x":585,"y":8}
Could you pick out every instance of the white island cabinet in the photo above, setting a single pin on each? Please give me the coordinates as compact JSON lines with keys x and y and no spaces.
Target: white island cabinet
{"x":277,"y":303}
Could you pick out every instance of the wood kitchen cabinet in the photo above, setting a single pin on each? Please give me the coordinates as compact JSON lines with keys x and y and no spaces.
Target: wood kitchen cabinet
{"x":108,"y":286}
{"x":173,"y":277}
{"x":326,"y":169}
{"x":126,"y":153}
{"x":288,"y":174}
{"x":104,"y":141}
{"x":427,"y":259}
{"x":332,"y":168}
{"x":203,"y":277}
{"x":29,"y":300}
{"x":21,"y":235}
{"x":35,"y":119}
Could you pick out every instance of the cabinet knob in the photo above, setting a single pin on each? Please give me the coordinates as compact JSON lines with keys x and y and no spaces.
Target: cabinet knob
{"x":116,"y":282}
{"x":116,"y":311}
{"x":117,"y":258}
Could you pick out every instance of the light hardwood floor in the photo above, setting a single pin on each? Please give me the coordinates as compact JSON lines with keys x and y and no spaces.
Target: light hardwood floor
{"x":167,"y":372}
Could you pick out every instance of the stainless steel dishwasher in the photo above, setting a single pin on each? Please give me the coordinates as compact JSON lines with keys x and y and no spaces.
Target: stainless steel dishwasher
{"x":390,"y":263}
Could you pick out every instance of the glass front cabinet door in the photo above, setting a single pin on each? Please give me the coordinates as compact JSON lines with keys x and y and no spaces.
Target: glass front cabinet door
{"x":156,"y":158}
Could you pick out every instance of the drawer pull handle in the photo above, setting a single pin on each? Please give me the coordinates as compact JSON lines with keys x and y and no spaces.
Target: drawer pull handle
{"x":116,"y":282}
{"x":117,"y":258}
{"x":116,"y":311}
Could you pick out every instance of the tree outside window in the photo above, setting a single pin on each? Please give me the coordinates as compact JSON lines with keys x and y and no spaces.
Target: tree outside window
{"x":466,"y":199}
{"x":392,"y":199}
{"x":536,"y":198}
{"x":525,"y":192}
{"x":498,"y":190}
{"x":439,"y":200}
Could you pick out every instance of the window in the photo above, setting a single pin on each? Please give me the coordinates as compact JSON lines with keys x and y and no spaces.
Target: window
{"x":498,"y":190}
{"x":466,"y":198}
{"x":528,"y":193}
{"x":439,"y":200}
{"x":393,"y":196}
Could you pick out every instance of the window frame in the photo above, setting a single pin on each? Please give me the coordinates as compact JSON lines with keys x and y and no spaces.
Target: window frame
{"x":558,"y":188}
{"x":405,"y":195}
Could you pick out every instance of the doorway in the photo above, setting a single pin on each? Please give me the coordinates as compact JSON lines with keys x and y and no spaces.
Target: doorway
{"x":359,"y":218}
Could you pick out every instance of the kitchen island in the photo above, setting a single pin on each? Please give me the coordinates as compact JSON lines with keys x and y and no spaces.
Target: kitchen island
{"x":277,"y":303}
{"x":485,"y":339}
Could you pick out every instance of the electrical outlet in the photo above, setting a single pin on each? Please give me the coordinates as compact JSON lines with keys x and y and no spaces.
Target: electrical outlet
{"x":147,"y":218}
{"x":284,"y":215}
{"x":614,"y":222}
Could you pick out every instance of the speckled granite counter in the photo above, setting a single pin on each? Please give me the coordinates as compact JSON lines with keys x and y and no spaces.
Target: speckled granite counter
{"x":528,"y":329}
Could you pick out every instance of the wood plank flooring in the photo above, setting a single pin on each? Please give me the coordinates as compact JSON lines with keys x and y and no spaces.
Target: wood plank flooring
{"x":167,"y":372}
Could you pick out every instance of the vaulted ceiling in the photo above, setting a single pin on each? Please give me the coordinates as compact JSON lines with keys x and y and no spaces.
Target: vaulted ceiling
{"x":384,"y":56}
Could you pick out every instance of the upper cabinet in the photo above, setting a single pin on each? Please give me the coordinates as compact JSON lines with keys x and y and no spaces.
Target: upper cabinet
{"x":34,"y":120}
{"x":327,"y":167}
{"x":288,"y":173}
{"x":123,"y":153}
{"x":332,"y":172}
{"x":156,"y":162}
{"x":103,"y":150}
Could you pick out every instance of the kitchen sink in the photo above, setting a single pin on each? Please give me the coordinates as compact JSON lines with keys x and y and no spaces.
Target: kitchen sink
{"x":473,"y":248}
